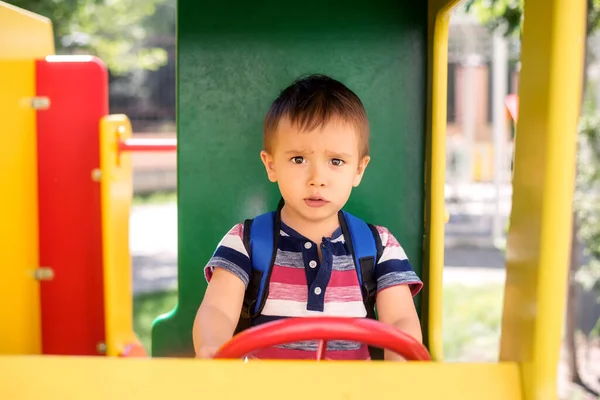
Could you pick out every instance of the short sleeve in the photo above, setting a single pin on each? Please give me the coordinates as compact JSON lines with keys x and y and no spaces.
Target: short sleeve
{"x":231,"y":255}
{"x":394,"y":267}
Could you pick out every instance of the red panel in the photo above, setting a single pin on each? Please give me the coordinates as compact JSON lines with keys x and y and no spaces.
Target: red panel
{"x":69,"y":203}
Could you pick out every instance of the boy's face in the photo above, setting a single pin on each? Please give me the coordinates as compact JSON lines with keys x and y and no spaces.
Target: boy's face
{"x":315,"y":170}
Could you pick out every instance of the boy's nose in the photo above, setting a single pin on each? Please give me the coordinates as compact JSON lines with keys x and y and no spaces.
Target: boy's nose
{"x":317,"y":178}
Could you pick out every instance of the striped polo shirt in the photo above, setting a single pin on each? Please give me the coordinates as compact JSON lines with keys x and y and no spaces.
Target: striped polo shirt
{"x":301,"y":285}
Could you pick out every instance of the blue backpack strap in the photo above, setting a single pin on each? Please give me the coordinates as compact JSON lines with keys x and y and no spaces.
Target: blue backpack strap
{"x":263,"y":246}
{"x":364,"y":242}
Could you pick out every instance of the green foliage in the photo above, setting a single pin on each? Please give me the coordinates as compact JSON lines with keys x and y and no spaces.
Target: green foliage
{"x":472,"y":317}
{"x":114,"y":30}
{"x":593,"y":15}
{"x":495,"y":13}
{"x":596,"y":330}
{"x":148,"y":306}
{"x":587,"y":199}
{"x":155,"y":198}
{"x":509,"y":13}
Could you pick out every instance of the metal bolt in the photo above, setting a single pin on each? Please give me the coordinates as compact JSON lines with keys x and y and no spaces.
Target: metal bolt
{"x":101,"y":348}
{"x":43,"y":274}
{"x":96,"y":174}
{"x":40,"y":103}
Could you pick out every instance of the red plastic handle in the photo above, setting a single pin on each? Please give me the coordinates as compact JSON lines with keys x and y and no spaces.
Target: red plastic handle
{"x":289,"y":330}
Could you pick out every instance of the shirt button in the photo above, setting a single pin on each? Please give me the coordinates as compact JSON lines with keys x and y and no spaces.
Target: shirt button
{"x":317,"y":290}
{"x":307,"y":245}
{"x":312,"y":264}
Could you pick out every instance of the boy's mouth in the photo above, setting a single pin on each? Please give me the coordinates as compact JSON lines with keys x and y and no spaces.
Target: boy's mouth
{"x":315,"y":201}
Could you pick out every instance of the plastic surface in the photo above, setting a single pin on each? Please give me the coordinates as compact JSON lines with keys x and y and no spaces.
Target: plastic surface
{"x":234,"y":57}
{"x":72,"y":303}
{"x":290,"y":330}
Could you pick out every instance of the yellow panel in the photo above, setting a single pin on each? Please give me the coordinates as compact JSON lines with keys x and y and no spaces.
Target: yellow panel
{"x":439,"y":17}
{"x":30,"y":34}
{"x":116,"y":193}
{"x":110,"y":378}
{"x":539,"y":240}
{"x":19,"y":256}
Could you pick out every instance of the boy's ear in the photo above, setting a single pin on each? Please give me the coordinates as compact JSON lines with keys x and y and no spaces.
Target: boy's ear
{"x":362,"y":165}
{"x":267,"y":160}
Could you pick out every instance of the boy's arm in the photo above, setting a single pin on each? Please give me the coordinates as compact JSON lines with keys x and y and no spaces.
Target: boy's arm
{"x":218,"y":315}
{"x":397,"y":283}
{"x":395,"y":307}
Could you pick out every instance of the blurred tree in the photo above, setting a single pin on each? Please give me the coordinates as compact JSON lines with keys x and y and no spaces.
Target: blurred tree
{"x":114,"y":30}
{"x":587,"y":200}
{"x":508,"y":15}
{"x":494,"y":13}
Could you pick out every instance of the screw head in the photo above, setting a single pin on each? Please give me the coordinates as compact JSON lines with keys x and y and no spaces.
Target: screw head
{"x":101,"y":348}
{"x":96,"y":174}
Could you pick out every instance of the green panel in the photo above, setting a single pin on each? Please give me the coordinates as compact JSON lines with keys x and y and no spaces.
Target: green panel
{"x":234,"y":57}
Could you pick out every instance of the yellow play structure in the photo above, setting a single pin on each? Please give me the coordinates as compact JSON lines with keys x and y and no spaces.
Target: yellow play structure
{"x":538,"y":243}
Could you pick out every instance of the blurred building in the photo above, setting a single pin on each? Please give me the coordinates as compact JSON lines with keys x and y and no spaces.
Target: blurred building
{"x":469,"y":117}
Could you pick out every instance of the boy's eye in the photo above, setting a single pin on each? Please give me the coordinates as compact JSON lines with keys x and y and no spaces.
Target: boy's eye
{"x":337,"y":162}
{"x":298,"y":160}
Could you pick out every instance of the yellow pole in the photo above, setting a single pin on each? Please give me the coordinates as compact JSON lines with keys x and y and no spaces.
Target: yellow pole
{"x":25,"y":36}
{"x":19,"y":291}
{"x":115,"y":176}
{"x":439,"y":19}
{"x":539,"y":240}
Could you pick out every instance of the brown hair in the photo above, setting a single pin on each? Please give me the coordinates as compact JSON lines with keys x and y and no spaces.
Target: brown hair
{"x":313,"y":101}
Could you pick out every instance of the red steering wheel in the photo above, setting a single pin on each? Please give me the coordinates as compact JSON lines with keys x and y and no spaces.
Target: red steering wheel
{"x":289,"y":330}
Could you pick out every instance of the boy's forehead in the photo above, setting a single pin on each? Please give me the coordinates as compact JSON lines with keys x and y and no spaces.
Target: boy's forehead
{"x":334,"y":135}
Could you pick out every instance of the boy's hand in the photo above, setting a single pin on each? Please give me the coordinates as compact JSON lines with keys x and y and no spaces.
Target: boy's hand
{"x":207,"y":351}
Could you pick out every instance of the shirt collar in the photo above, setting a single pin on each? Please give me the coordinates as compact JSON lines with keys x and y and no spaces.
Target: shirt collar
{"x":293,"y":233}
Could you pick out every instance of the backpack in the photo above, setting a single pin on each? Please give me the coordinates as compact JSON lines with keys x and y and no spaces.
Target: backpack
{"x":261,"y":238}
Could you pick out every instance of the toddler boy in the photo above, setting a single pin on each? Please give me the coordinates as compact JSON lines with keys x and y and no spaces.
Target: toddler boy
{"x":316,"y":148}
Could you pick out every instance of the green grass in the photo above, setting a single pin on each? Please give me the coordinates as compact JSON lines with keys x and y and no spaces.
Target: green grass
{"x":471,"y":319}
{"x":146,"y":307}
{"x":155,"y":198}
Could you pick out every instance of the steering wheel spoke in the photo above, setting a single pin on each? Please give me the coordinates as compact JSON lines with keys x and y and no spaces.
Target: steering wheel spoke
{"x":321,"y":349}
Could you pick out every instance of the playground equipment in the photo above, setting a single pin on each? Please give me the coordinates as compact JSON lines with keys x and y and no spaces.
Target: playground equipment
{"x":80,"y":190}
{"x":64,"y":231}
{"x":292,"y":330}
{"x":147,"y":145}
{"x":233,"y":57}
